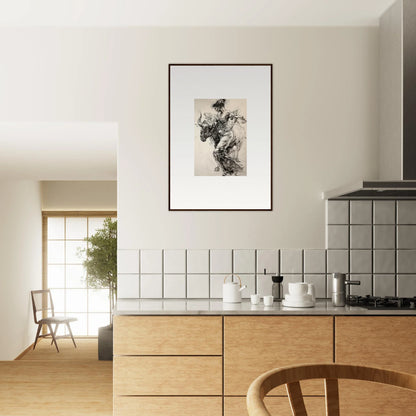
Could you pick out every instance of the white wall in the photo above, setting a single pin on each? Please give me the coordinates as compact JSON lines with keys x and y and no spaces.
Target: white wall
{"x":79,"y":195}
{"x":325,"y":118}
{"x":20,"y":264}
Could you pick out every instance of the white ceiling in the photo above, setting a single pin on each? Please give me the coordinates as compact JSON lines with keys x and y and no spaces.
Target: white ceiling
{"x":191,"y":12}
{"x":58,"y":151}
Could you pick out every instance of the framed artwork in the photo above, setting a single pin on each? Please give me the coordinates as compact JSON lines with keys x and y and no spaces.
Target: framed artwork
{"x":220,"y":137}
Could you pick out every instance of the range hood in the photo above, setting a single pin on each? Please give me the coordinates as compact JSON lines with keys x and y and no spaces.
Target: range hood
{"x":397,"y":110}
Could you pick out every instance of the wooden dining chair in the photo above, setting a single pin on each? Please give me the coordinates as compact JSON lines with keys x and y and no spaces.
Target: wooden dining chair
{"x":42,"y":303}
{"x":291,"y":376}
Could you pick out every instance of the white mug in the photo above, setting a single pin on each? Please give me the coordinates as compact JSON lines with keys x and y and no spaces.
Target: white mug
{"x":311,"y":291}
{"x":268,"y":300}
{"x":255,"y":299}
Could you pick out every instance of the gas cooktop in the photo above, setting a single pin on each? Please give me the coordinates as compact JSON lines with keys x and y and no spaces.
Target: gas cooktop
{"x":388,"y":302}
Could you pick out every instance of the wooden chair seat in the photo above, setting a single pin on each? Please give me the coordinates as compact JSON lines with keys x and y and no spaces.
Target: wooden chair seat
{"x":291,"y":376}
{"x":56,"y":320}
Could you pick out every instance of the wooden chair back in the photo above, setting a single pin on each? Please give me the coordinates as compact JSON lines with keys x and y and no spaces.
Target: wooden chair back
{"x":42,"y":303}
{"x":291,"y":376}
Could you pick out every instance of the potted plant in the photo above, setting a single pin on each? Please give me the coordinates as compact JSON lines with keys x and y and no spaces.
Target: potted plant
{"x":101,"y":266}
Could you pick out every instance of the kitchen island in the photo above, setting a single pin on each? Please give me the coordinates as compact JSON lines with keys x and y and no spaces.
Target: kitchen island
{"x":198,"y":357}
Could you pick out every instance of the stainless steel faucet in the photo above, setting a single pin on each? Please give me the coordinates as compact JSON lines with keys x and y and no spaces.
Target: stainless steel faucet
{"x":339,"y":285}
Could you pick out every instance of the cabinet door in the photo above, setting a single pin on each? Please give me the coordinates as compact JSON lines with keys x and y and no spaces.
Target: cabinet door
{"x":167,"y":376}
{"x":167,"y":406}
{"x":380,"y":341}
{"x":254,"y":344}
{"x":167,"y":335}
{"x":277,"y":405}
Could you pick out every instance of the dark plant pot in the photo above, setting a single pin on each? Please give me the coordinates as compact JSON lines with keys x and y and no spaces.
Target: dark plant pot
{"x":105,"y":343}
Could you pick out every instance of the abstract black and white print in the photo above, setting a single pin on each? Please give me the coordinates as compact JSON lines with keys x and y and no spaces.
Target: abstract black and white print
{"x":220,"y":137}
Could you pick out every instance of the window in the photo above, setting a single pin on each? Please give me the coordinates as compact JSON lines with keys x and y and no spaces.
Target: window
{"x":64,"y":235}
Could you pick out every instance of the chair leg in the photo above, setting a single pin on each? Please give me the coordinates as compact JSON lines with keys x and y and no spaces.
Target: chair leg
{"x":54,"y":333}
{"x":37,"y":335}
{"x":70,"y":332}
{"x":53,"y":337}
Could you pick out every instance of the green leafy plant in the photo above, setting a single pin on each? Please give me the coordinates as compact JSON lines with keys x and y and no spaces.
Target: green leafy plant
{"x":101,"y":260}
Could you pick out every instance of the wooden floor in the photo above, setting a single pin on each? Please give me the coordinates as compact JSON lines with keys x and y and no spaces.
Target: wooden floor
{"x":44,"y":382}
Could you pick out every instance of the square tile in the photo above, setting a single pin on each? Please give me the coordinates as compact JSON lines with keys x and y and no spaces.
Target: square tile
{"x":319,"y":280}
{"x":174,"y":261}
{"x":128,"y":286}
{"x":361,"y":212}
{"x":384,"y":285}
{"x":384,"y":236}
{"x":293,"y":278}
{"x":197,"y":261}
{"x":337,"y":236}
{"x":406,"y":286}
{"x":384,"y":212}
{"x":406,"y":236}
{"x":198,"y":286}
{"x":216,"y":281}
{"x":151,"y":261}
{"x":244,"y":261}
{"x":406,"y":261}
{"x":264,"y":284}
{"x":337,"y":261}
{"x":384,"y":261}
{"x":128,"y":261}
{"x":220,"y":261}
{"x":174,"y":286}
{"x":360,"y":236}
{"x":337,"y":212}
{"x":151,"y":286}
{"x":361,"y":261}
{"x":267,"y":260}
{"x":314,"y":261}
{"x":250,"y":281}
{"x":291,"y":261}
{"x":364,"y":288}
{"x":406,"y":212}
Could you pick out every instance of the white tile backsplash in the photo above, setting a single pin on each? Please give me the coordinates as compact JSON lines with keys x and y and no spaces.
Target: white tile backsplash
{"x":406,"y":236}
{"x":250,"y":281}
{"x":406,"y":285}
{"x":365,"y":286}
{"x":128,"y":286}
{"x":216,"y":281}
{"x":174,"y":261}
{"x":384,"y":261}
{"x":291,"y":261}
{"x":151,"y":286}
{"x":151,"y":261}
{"x":384,"y":237}
{"x":174,"y":286}
{"x":128,"y":261}
{"x":221,"y":261}
{"x":197,"y":261}
{"x":337,"y":212}
{"x":264,"y":284}
{"x":361,"y":212}
{"x":337,"y":236}
{"x":360,"y":236}
{"x":384,"y":212}
{"x":314,"y":261}
{"x":406,"y":261}
{"x":269,"y":260}
{"x":337,"y":261}
{"x":198,"y":286}
{"x":406,"y":212}
{"x":244,"y":261}
{"x":360,"y":261}
{"x":384,"y":285}
{"x":319,"y":281}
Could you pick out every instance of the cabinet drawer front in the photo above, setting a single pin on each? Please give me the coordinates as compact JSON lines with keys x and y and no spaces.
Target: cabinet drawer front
{"x":167,"y":406}
{"x":236,"y":406}
{"x":167,"y":335}
{"x":379,"y":341}
{"x":169,"y":376}
{"x":253,"y":345}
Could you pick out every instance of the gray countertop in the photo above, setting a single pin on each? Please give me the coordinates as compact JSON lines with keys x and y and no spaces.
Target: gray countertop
{"x":217,"y":307}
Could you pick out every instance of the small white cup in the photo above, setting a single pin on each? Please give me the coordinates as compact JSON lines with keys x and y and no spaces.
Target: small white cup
{"x":268,"y":300}
{"x":311,"y":291}
{"x":255,"y":299}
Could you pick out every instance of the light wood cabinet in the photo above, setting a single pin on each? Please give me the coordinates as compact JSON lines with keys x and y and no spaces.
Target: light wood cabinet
{"x":167,"y":335}
{"x":255,"y":344}
{"x":168,"y":376}
{"x":380,"y":341}
{"x":167,"y":406}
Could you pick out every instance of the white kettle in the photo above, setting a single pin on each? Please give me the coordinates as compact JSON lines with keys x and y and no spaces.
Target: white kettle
{"x":231,"y":291}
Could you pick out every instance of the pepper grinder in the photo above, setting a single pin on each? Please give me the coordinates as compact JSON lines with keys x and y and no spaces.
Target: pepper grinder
{"x":277,"y":288}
